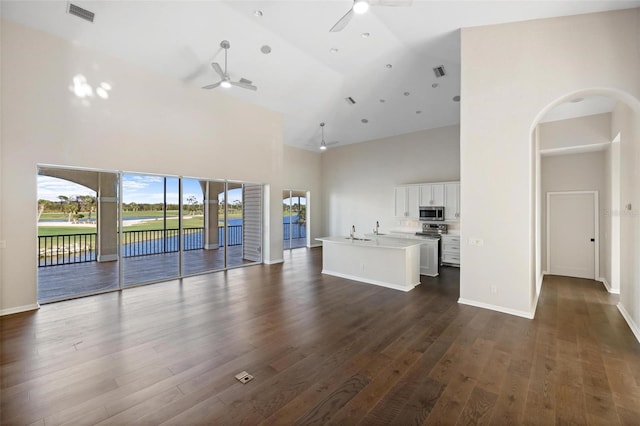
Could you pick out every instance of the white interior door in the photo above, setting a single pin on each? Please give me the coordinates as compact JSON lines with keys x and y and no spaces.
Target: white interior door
{"x":572,"y":229}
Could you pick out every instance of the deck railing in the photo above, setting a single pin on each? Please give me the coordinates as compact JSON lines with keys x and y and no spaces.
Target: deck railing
{"x":80,"y":248}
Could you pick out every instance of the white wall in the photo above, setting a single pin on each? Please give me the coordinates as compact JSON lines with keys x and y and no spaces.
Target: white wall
{"x":302,"y":171}
{"x":511,"y":75}
{"x":627,"y":124}
{"x":575,"y":172}
{"x":576,"y":132}
{"x":149,"y":124}
{"x":358,"y":180}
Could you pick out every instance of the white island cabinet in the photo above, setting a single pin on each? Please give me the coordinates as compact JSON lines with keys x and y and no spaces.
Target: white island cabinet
{"x":386,"y":262}
{"x":428,"y":251}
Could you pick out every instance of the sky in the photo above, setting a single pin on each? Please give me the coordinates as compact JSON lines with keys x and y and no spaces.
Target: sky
{"x":140,"y":189}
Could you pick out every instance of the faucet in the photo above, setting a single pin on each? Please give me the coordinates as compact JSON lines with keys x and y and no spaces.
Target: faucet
{"x":377,"y":230}
{"x":353,"y":231}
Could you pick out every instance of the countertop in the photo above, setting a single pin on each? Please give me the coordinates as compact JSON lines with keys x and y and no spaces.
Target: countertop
{"x":403,"y":236}
{"x":391,"y":243}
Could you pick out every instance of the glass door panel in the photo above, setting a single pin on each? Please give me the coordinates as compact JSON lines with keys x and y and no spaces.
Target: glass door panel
{"x":234,"y":222}
{"x":201,"y":233}
{"x":150,"y":219}
{"x":77,"y":232}
{"x":294,"y":212}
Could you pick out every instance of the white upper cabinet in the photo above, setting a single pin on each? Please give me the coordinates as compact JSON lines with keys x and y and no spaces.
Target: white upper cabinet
{"x":401,"y":209}
{"x":407,"y":200}
{"x":452,"y":201}
{"x":432,"y":194}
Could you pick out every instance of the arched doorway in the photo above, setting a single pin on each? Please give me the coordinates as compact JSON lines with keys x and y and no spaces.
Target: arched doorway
{"x":616,"y":158}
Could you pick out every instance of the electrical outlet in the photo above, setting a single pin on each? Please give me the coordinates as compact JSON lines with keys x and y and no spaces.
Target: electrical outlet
{"x":3,"y":244}
{"x":494,"y":289}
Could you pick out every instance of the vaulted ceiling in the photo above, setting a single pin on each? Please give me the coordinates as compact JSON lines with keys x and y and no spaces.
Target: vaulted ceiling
{"x":383,"y":60}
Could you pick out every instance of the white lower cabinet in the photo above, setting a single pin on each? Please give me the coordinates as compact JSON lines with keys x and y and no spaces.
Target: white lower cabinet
{"x":429,"y":258}
{"x":451,"y":250}
{"x":428,"y":252}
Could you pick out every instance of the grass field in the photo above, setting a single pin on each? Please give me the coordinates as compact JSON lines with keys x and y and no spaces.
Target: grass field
{"x":153,"y":224}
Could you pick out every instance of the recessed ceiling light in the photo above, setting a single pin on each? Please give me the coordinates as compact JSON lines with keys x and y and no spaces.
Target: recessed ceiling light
{"x":407,"y":93}
{"x":364,"y":121}
{"x":382,"y":101}
{"x":434,"y":85}
{"x":389,"y":66}
{"x":266,"y":49}
{"x":333,"y":50}
{"x":576,"y":100}
{"x":456,"y":98}
{"x":257,"y":13}
{"x":365,"y":35}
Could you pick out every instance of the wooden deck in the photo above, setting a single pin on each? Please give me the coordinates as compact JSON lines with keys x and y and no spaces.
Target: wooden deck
{"x":323,"y":350}
{"x":78,"y":279}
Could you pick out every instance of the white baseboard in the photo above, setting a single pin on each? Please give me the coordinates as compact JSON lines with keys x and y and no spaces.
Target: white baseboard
{"x":370,"y":281}
{"x":212,"y":246}
{"x":273,"y":261}
{"x":632,"y":325}
{"x":606,"y":284}
{"x":19,"y":309}
{"x":516,"y":312}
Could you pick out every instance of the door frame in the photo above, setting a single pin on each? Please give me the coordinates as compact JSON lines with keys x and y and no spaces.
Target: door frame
{"x":596,"y":230}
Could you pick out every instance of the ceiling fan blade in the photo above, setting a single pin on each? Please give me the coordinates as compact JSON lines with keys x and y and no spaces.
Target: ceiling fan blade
{"x":339,"y":26}
{"x":216,"y":67}
{"x":244,"y":85}
{"x":244,"y":80}
{"x":212,"y":86}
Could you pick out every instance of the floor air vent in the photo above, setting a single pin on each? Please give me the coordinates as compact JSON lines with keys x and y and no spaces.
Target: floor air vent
{"x":81,"y":13}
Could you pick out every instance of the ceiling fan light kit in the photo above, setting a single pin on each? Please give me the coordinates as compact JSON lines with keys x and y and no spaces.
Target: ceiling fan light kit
{"x":225,"y":81}
{"x":323,"y":144}
{"x":360,"y":6}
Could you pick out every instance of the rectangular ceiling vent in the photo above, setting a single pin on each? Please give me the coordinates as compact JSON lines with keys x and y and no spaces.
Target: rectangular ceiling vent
{"x":350,"y":100}
{"x":81,"y":13}
{"x":439,"y":71}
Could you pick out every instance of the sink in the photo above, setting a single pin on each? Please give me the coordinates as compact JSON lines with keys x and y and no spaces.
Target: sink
{"x":358,"y":239}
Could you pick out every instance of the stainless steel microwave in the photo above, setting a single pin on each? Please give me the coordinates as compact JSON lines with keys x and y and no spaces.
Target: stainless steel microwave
{"x":431,"y":212}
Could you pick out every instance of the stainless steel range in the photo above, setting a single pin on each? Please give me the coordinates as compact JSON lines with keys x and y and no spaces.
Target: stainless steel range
{"x":435,"y":230}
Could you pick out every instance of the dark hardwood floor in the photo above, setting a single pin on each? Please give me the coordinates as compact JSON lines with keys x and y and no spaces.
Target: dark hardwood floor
{"x":323,"y":350}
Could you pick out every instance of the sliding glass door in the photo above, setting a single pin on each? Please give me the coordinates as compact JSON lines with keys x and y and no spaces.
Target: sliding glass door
{"x":77,"y":238}
{"x":294,"y":219}
{"x":102,"y":231}
{"x":150,"y":228}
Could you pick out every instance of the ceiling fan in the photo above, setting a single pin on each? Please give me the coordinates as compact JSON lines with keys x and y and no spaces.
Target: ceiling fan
{"x":362,"y":6}
{"x":224,"y":75}
{"x":323,"y":144}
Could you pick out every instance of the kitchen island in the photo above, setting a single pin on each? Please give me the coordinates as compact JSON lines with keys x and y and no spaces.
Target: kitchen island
{"x":387,"y":262}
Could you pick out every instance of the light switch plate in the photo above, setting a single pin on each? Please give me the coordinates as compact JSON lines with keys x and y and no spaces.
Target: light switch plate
{"x":3,"y":244}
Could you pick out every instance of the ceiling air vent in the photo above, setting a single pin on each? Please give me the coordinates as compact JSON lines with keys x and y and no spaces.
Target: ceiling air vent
{"x":350,"y":100}
{"x":439,"y":71}
{"x":80,"y":12}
